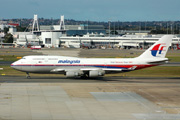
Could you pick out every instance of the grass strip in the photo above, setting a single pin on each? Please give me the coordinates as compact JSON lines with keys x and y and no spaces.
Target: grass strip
{"x":158,"y":71}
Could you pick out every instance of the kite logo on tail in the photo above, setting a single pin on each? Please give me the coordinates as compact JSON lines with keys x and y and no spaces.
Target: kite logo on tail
{"x":157,"y":50}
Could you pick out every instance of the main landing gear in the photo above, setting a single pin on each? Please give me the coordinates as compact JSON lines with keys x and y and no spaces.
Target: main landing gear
{"x":85,"y":76}
{"x":28,"y":76}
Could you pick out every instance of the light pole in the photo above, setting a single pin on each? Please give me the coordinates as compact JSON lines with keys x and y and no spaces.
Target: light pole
{"x":1,"y":42}
{"x":109,"y":27}
{"x":109,"y":31}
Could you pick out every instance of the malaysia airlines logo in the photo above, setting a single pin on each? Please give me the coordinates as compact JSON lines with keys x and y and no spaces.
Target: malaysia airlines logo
{"x":69,"y":61}
{"x":157,"y":50}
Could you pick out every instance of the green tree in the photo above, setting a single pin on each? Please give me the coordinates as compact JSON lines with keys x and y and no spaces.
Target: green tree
{"x":21,"y":29}
{"x":6,"y":30}
{"x":8,"y":38}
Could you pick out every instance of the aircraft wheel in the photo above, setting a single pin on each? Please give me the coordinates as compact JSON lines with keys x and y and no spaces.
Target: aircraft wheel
{"x":85,"y":76}
{"x":28,"y":77}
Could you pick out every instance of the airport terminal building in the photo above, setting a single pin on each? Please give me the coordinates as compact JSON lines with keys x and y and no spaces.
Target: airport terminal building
{"x":75,"y":35}
{"x":60,"y":38}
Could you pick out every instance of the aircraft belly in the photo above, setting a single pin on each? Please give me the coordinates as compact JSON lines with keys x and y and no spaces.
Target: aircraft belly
{"x":37,"y":69}
{"x":47,"y":69}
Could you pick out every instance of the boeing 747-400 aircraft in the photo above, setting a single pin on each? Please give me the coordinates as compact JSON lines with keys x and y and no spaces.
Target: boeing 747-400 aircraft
{"x":94,"y":67}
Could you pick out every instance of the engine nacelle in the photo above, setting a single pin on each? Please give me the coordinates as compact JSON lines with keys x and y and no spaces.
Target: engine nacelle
{"x":95,"y":73}
{"x":73,"y":73}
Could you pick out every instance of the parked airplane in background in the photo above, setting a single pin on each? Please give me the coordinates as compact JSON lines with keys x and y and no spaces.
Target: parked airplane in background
{"x":94,"y":67}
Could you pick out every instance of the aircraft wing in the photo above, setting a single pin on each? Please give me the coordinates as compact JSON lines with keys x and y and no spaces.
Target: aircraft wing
{"x":109,"y":69}
{"x":95,"y":68}
{"x":90,"y":68}
{"x":123,"y":70}
{"x":86,"y":69}
{"x":57,"y":70}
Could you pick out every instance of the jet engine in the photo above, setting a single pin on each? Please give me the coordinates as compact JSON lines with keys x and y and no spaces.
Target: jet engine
{"x":73,"y":73}
{"x":95,"y":73}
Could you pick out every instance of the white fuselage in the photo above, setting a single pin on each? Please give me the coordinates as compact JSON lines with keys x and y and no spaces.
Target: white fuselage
{"x":41,"y":64}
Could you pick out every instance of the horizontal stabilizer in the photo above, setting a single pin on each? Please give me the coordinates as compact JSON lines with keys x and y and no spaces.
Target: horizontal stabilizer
{"x":158,"y":62}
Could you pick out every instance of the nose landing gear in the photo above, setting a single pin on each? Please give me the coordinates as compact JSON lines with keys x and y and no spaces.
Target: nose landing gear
{"x":28,"y":76}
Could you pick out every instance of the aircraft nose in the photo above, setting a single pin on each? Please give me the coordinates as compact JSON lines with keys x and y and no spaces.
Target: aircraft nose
{"x":14,"y":65}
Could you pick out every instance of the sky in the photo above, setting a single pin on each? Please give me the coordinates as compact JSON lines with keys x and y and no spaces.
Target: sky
{"x":93,"y":10}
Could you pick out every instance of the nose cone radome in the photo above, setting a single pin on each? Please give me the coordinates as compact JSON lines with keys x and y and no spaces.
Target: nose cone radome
{"x":14,"y":65}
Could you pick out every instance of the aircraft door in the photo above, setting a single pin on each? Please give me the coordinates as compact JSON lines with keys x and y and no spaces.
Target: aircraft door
{"x":105,"y":64}
{"x":81,"y":64}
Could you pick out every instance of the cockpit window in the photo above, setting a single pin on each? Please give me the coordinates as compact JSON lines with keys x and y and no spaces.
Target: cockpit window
{"x":23,"y":58}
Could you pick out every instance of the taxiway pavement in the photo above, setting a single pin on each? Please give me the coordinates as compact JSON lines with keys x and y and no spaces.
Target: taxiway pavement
{"x":107,"y":98}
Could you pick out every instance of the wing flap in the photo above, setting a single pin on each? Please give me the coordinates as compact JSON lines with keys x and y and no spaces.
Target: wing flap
{"x":109,"y":69}
{"x":112,"y":69}
{"x":90,"y":68}
{"x":94,"y":68}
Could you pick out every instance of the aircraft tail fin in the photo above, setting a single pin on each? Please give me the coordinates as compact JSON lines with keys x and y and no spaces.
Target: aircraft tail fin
{"x":158,"y":49}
